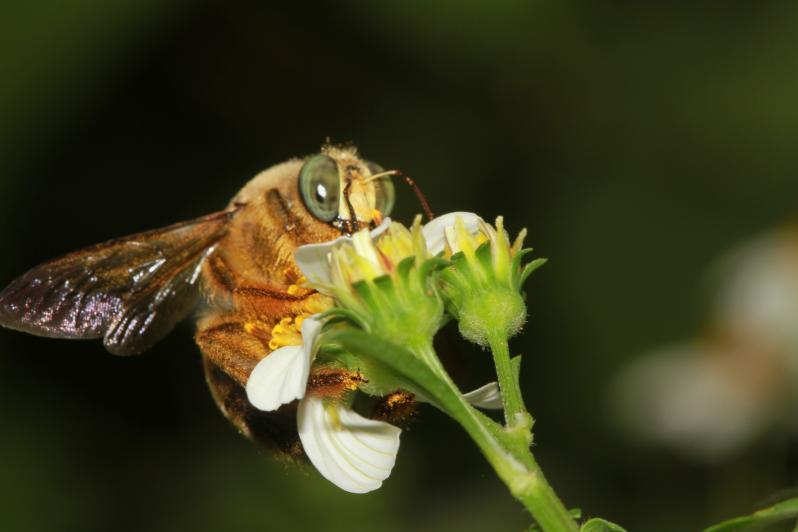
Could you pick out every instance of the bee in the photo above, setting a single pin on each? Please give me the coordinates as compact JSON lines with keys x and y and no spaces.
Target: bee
{"x":132,"y":291}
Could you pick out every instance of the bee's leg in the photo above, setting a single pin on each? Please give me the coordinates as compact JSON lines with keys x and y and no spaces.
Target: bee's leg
{"x":398,"y":408}
{"x":275,"y":430}
{"x":233,"y":344}
{"x":289,"y":297}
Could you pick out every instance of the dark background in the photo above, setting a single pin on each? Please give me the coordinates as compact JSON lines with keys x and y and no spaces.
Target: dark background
{"x":635,"y":141}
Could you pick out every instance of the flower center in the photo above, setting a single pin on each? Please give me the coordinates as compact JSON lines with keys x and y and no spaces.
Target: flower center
{"x":287,"y":332}
{"x":298,"y":287}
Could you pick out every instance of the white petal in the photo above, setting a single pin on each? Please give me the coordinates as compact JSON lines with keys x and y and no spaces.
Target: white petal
{"x":488,"y":397}
{"x":279,"y":378}
{"x":354,"y":453}
{"x":435,"y":231}
{"x":311,"y":327}
{"x":364,"y":246}
{"x":313,"y":260}
{"x":282,"y":376}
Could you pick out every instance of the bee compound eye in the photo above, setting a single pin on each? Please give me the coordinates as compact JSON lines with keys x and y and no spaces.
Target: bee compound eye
{"x":320,"y":187}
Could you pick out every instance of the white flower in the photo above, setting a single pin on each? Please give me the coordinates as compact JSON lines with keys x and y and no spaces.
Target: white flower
{"x":314,"y":259}
{"x":680,"y":396}
{"x":438,"y":232}
{"x":354,"y":453}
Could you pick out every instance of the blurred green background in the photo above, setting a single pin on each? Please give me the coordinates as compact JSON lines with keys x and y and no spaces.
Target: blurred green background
{"x":635,"y":141}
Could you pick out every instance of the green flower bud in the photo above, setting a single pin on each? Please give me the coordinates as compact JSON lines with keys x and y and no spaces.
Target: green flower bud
{"x":482,"y":285}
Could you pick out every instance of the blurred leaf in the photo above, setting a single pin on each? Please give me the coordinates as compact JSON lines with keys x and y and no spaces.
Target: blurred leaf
{"x":778,"y":512}
{"x":63,"y":56}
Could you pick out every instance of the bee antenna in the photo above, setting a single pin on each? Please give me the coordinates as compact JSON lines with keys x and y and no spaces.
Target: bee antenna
{"x":420,"y":195}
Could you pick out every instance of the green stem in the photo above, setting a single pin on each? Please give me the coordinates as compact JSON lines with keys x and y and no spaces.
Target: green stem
{"x":515,"y":414}
{"x":544,"y":504}
{"x":510,"y":458}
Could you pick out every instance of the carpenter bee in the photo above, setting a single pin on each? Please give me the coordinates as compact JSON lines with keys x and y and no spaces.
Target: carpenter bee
{"x":238,"y":263}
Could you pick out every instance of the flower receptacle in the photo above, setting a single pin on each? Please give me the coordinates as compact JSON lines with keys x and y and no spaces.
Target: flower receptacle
{"x":485,"y":314}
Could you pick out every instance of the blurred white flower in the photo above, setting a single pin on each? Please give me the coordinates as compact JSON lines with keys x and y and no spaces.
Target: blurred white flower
{"x":711,"y":397}
{"x":678,"y":397}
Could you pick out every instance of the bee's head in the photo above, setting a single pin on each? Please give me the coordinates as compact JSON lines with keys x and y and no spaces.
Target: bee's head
{"x":341,"y":189}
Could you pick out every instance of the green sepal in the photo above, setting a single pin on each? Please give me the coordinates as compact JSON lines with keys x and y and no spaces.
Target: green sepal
{"x":338,"y":315}
{"x":531,"y":267}
{"x":431,"y":265}
{"x":459,"y":262}
{"x":332,"y":354}
{"x":485,"y":261}
{"x":404,"y":268}
{"x":454,"y":284}
{"x":417,"y":377}
{"x":370,"y":299}
{"x":386,"y":289}
{"x":515,"y":267}
{"x":379,"y":379}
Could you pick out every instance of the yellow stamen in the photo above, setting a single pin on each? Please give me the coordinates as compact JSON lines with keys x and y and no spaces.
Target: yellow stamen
{"x":316,"y":304}
{"x":286,"y":332}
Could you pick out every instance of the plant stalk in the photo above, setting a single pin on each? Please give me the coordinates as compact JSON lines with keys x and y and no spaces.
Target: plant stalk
{"x":515,"y":413}
{"x":510,"y":457}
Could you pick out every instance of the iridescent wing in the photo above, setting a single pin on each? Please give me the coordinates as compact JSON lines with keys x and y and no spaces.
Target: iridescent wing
{"x":129,"y":291}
